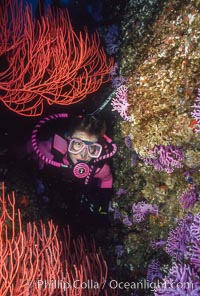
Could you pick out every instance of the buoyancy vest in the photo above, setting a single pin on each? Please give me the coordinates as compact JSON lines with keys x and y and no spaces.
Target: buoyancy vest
{"x":54,"y":152}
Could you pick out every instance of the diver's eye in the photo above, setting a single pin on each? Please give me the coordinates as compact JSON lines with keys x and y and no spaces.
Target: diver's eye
{"x":94,"y":150}
{"x":76,"y":145}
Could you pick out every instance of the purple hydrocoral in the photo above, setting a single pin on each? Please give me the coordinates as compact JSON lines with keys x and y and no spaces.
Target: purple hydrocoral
{"x":117,"y":214}
{"x":158,"y":244}
{"x":128,"y":142}
{"x":126,"y":221}
{"x":120,"y":102}
{"x":182,"y":280}
{"x":194,"y":248}
{"x":164,"y":158}
{"x":120,"y":191}
{"x":196,"y":112}
{"x":119,"y":250}
{"x":179,"y":238}
{"x":134,"y":159}
{"x":141,"y":209}
{"x":112,"y":40}
{"x":189,"y":197}
{"x":153,"y":271}
{"x":194,"y":254}
{"x":195,"y":227}
{"x":117,"y":81}
{"x":116,"y":78}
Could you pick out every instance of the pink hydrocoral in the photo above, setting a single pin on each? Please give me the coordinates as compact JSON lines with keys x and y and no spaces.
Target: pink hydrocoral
{"x":120,"y":102}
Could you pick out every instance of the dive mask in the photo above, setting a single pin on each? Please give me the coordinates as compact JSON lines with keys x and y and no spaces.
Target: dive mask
{"x":76,"y":146}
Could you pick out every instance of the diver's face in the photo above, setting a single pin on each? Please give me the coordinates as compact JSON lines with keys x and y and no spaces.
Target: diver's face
{"x":83,"y":155}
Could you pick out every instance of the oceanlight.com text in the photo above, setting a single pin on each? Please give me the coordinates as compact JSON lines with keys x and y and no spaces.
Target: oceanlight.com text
{"x":144,"y":285}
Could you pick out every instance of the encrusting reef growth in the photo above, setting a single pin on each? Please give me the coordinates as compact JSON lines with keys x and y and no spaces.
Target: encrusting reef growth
{"x":157,"y":166}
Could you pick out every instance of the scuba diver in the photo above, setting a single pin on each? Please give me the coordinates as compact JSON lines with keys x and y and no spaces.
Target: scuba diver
{"x":81,"y":151}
